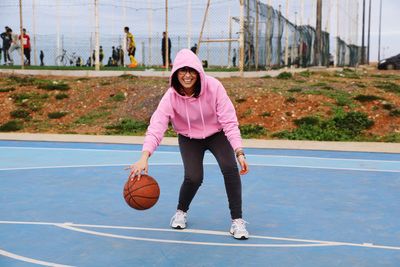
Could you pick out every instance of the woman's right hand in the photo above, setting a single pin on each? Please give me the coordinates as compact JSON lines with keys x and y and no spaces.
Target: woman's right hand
{"x":140,"y":166}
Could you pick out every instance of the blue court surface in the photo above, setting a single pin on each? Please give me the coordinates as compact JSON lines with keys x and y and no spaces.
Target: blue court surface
{"x":61,"y":204}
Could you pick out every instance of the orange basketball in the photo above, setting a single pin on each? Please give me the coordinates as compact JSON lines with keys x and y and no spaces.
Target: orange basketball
{"x":143,"y":193}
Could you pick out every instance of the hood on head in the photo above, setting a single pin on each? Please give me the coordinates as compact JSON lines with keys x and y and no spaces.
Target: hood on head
{"x":186,"y":58}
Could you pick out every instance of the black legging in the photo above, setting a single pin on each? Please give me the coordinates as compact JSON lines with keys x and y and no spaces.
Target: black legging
{"x":192,"y":152}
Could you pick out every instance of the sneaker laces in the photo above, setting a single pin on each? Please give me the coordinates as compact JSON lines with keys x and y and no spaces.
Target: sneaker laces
{"x":240,"y":224}
{"x":179,"y":216}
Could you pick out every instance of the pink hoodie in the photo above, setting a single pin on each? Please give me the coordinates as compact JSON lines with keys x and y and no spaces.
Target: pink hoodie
{"x":193,"y":117}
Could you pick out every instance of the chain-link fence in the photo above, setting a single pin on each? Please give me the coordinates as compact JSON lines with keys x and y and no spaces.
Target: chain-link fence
{"x":268,"y":34}
{"x":270,"y":39}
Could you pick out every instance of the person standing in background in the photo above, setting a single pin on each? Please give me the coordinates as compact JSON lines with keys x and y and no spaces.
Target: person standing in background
{"x":6,"y":36}
{"x":15,"y":45}
{"x":26,"y":42}
{"x":130,"y":47}
{"x":163,"y":50}
{"x":41,"y":56}
{"x":101,"y":55}
{"x":234,"y":58}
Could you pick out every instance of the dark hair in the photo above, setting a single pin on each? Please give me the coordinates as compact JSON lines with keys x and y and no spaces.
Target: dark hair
{"x":126,"y":28}
{"x":178,"y":87}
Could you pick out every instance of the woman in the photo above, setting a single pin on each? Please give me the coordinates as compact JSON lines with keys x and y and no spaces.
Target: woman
{"x":204,"y":118}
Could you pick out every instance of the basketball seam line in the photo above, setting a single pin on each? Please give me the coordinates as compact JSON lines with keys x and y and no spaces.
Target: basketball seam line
{"x":130,"y":191}
{"x":140,"y":206}
{"x":142,"y":196}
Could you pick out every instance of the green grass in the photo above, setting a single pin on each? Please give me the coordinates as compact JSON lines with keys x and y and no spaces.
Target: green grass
{"x":32,"y":101}
{"x":305,"y":74}
{"x":22,"y":81}
{"x":388,"y":86}
{"x":247,"y":113}
{"x":118,"y":97}
{"x":92,"y":117}
{"x":391,"y":138}
{"x":347,"y":73}
{"x":386,"y":76}
{"x":342,"y":98}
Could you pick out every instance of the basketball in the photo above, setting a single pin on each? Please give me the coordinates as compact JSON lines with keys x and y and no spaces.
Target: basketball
{"x":143,"y":193}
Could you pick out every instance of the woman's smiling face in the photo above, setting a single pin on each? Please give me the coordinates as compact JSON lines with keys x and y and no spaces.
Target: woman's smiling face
{"x":187,"y":77}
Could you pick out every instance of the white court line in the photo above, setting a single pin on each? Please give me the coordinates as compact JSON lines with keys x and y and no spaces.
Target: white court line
{"x":30,"y":260}
{"x":75,"y":227}
{"x":179,"y":164}
{"x":177,"y":152}
{"x":69,"y":227}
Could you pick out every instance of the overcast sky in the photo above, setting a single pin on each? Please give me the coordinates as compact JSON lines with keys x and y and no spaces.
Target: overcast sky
{"x":143,"y":16}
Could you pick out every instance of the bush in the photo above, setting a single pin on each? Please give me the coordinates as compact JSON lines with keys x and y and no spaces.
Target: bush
{"x":5,"y":90}
{"x":309,"y":120}
{"x":395,"y":113}
{"x":56,"y":115}
{"x":54,"y":86}
{"x":252,"y":130}
{"x":20,"y":113}
{"x":127,"y":127}
{"x":367,"y":98}
{"x":388,"y":106}
{"x":265,"y":114}
{"x":294,"y":90}
{"x":61,"y":96}
{"x":11,"y":126}
{"x":353,"y":122}
{"x":240,"y":100}
{"x":284,"y":75}
{"x":128,"y":76}
{"x":290,"y":99}
{"x":342,"y":127}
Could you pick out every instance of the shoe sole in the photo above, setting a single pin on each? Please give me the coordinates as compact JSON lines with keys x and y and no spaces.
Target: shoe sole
{"x":178,"y":227}
{"x":239,"y":238}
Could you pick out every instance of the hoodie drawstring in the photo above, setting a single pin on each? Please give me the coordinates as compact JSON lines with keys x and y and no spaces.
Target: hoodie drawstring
{"x":187,"y":118}
{"x":202,"y":119}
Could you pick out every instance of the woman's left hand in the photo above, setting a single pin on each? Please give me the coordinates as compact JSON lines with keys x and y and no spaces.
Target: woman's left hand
{"x":244,"y":167}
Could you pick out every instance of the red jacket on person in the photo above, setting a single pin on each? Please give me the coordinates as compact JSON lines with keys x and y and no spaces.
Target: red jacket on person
{"x":26,"y":40}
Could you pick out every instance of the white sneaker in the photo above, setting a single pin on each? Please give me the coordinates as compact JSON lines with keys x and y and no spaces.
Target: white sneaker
{"x":238,"y":229}
{"x":178,"y":221}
